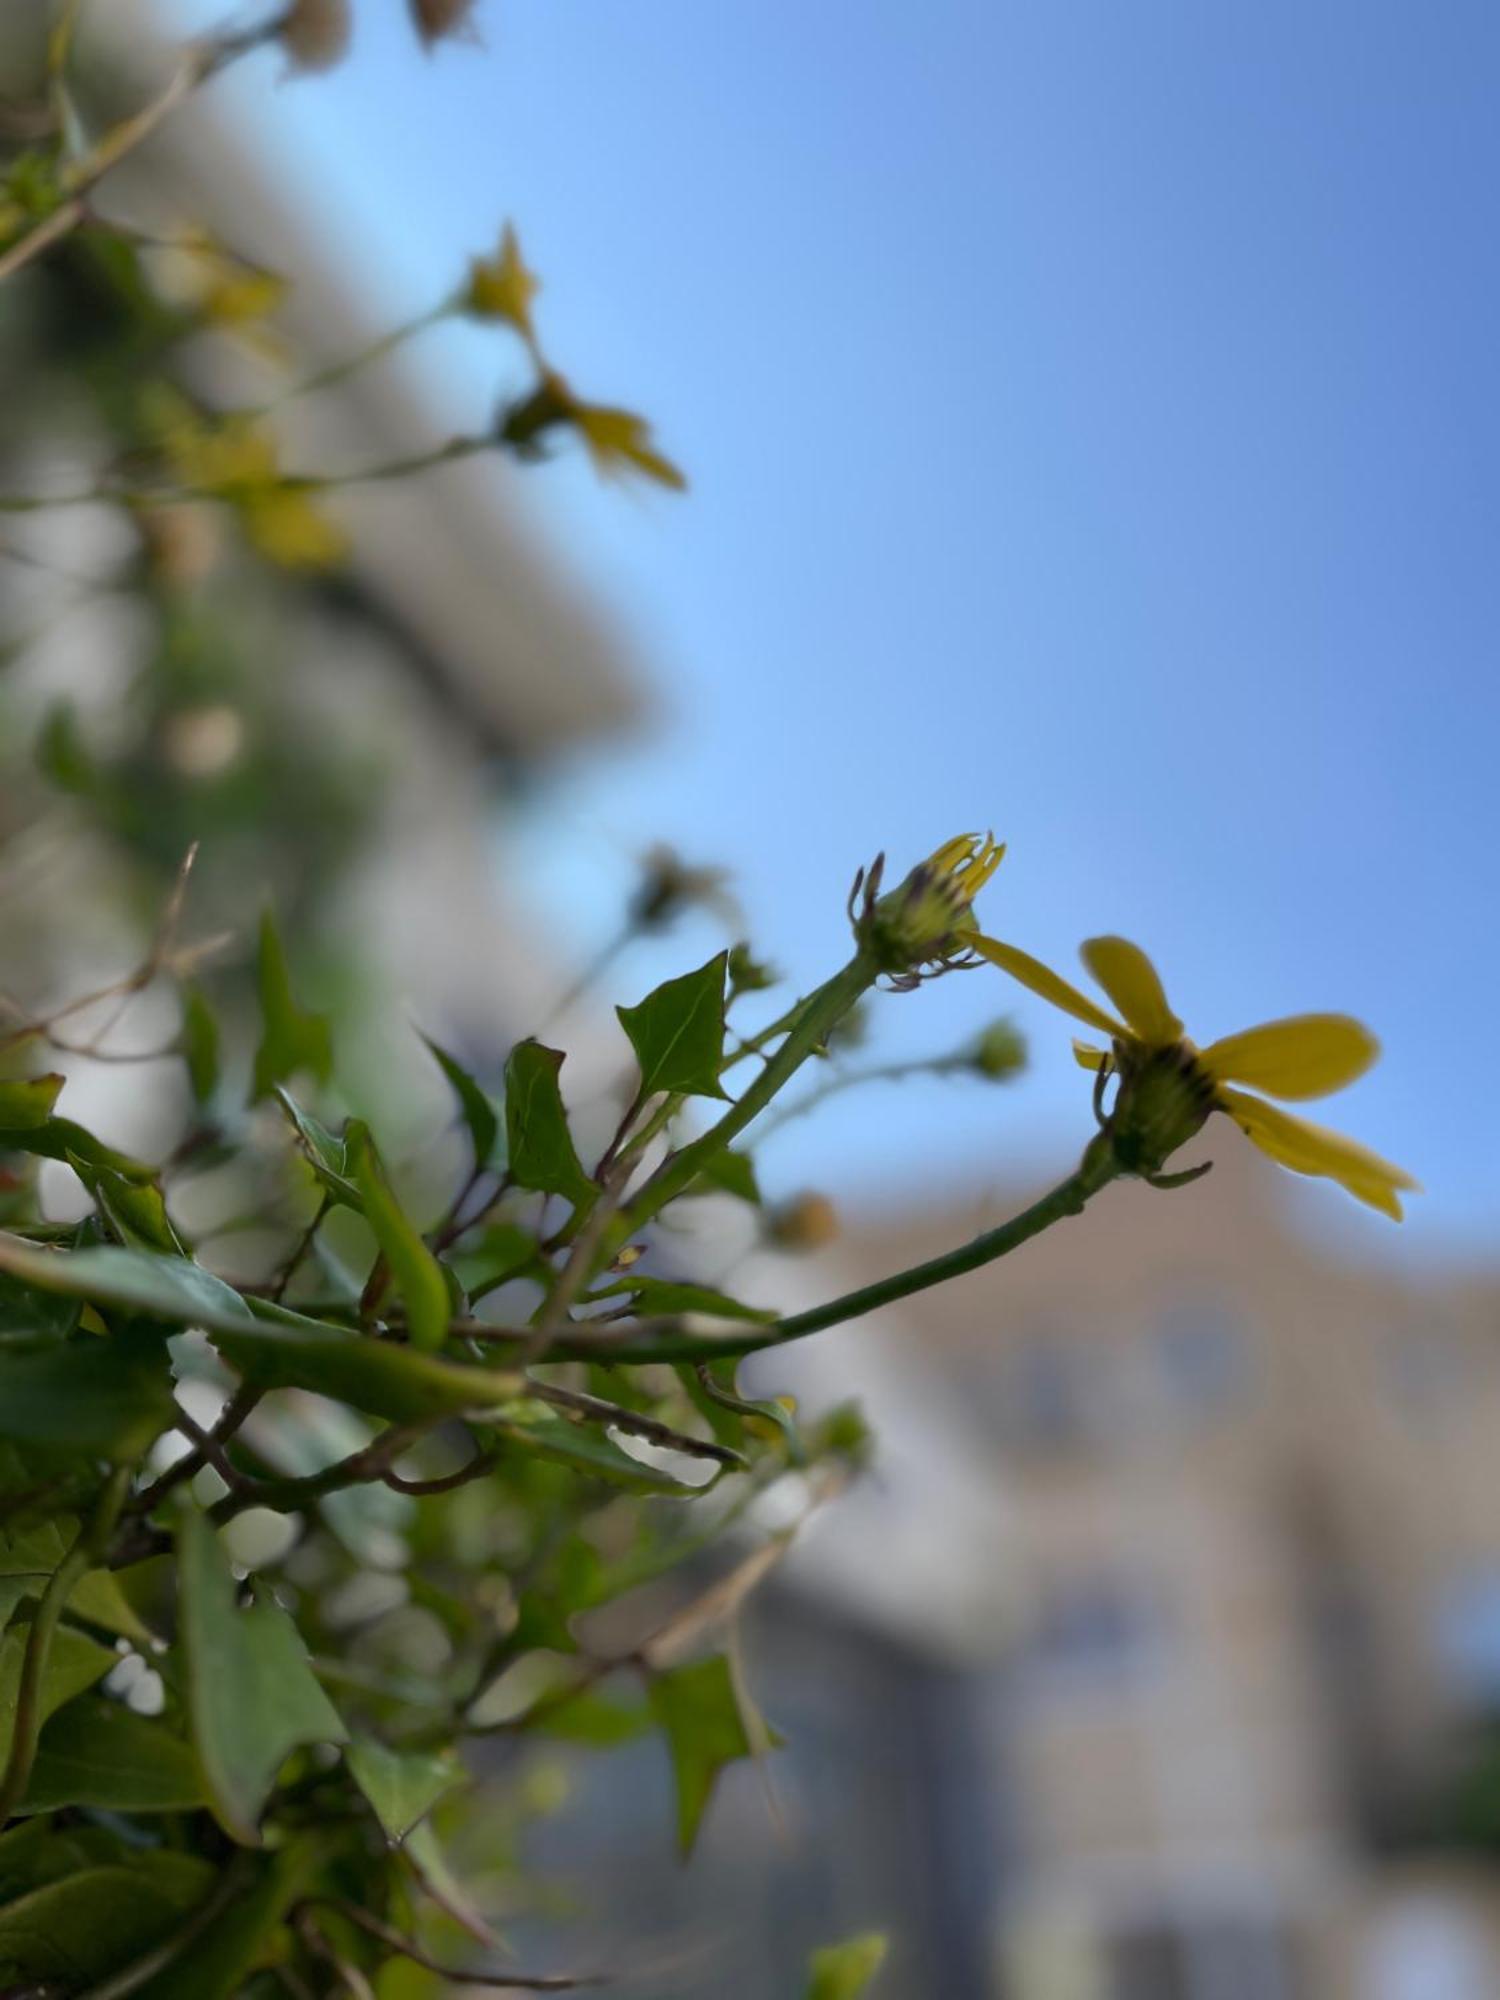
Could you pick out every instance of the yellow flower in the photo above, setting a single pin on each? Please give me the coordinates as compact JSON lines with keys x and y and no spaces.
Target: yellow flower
{"x":237,"y":463}
{"x":618,"y":441}
{"x":1169,"y":1087}
{"x":502,"y":287}
{"x":926,"y":924}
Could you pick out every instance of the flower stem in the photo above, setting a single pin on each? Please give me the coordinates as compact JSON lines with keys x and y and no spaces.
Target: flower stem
{"x":815,"y":1018}
{"x":1096,"y":1170}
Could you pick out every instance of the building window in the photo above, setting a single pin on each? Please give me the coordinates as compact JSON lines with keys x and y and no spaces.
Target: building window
{"x":1096,"y":1630}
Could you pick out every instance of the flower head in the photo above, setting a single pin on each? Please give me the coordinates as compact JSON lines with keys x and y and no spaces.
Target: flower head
{"x":502,"y":287}
{"x":926,"y":924}
{"x":618,"y":441}
{"x":1169,"y":1087}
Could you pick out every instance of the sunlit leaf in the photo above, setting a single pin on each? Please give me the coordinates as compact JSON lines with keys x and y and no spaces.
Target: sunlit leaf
{"x":418,"y":1274}
{"x":326,"y":1153}
{"x":584,"y":1447}
{"x":25,"y":1105}
{"x":677,"y":1032}
{"x":540,"y":1145}
{"x":402,"y":1785}
{"x":134,"y":1209}
{"x":74,"y":1663}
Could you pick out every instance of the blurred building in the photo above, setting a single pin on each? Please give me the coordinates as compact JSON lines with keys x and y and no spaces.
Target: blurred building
{"x":1253,"y":1500}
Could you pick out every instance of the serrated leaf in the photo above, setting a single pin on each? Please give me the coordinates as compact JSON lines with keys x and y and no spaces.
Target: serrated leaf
{"x":479,"y":1114}
{"x":418,"y":1275}
{"x":111,"y":1396}
{"x":99,"y":1920}
{"x":667,"y":1295}
{"x":27,"y":1104}
{"x":292,"y":1040}
{"x":252,"y":1695}
{"x":587,"y":1450}
{"x":677,"y":1032}
{"x":402,"y":1785}
{"x":326,"y":1153}
{"x":74,"y":1663}
{"x":98,"y":1753}
{"x":843,"y":1971}
{"x":699,"y":1712}
{"x":199,"y":1041}
{"x":541,"y":1150}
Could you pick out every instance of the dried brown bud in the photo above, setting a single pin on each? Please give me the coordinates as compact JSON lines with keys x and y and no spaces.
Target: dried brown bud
{"x":315,"y":33}
{"x":437,"y":20}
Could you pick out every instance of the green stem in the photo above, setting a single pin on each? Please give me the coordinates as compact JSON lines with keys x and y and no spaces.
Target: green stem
{"x":816,"y":1017}
{"x":1096,"y":1170}
{"x":87,"y":1550}
{"x":894,"y":1072}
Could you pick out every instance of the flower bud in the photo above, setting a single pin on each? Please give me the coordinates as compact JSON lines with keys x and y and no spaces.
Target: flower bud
{"x":1164,"y":1098}
{"x":439,"y":20}
{"x":808,"y":1222}
{"x":922,"y":927}
{"x":1000,"y":1052}
{"x":315,"y":33}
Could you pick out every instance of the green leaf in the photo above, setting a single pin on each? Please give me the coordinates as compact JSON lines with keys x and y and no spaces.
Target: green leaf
{"x":292,"y":1040}
{"x":273,"y":1346}
{"x":402,"y":1785}
{"x":479,"y":1114}
{"x":665,"y":1295}
{"x":582,"y":1447}
{"x":728,"y":1172}
{"x":677,"y":1032}
{"x":28,"y":1557}
{"x":697,"y":1708}
{"x":112,"y":1396}
{"x":221,"y":1958}
{"x":66,"y":1140}
{"x":23,"y":1106}
{"x":327,"y":1154}
{"x":252,"y":1694}
{"x":842,"y":1971}
{"x":595,"y":1721}
{"x":134,"y":1209}
{"x":98,"y":1753}
{"x":199,"y":1042}
{"x":418,"y":1274}
{"x":541,"y":1149}
{"x":31,"y":1316}
{"x":61,"y":753}
{"x":98,"y":1920}
{"x":73,"y":1664}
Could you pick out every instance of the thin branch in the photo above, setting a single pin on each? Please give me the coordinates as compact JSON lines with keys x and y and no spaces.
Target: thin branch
{"x":503,"y":1982}
{"x":599,"y":1410}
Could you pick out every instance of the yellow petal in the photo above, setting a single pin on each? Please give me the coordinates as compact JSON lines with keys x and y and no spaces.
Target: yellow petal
{"x":1041,"y":979}
{"x":1312,"y":1149}
{"x":1087,"y":1056}
{"x":1131,"y":981}
{"x":1305,"y":1055}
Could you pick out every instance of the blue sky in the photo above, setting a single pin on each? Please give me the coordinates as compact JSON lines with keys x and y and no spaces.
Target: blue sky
{"x":1090,"y":411}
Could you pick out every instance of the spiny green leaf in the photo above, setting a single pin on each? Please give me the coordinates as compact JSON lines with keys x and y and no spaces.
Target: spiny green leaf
{"x":479,"y":1114}
{"x":677,"y":1032}
{"x":418,"y":1274}
{"x":541,"y":1149}
{"x":252,"y":1694}
{"x":843,"y":1971}
{"x":25,"y":1105}
{"x":402,"y":1785}
{"x":99,"y":1753}
{"x":728,"y":1172}
{"x":292,"y":1039}
{"x":699,"y":1712}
